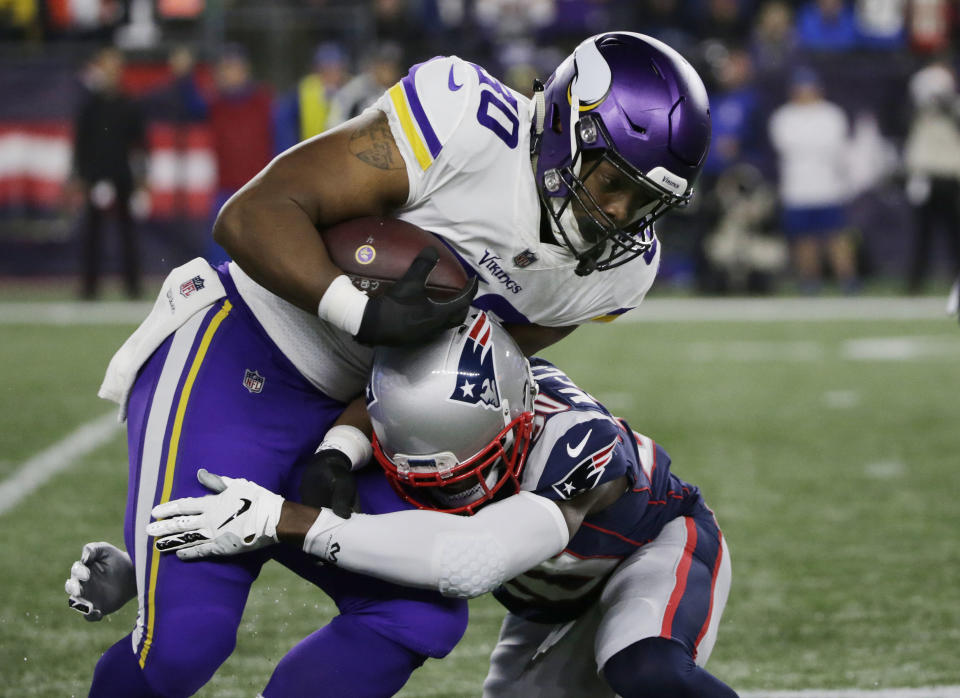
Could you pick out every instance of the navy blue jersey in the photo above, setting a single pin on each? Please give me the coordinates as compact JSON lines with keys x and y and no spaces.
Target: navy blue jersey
{"x":577,"y":446}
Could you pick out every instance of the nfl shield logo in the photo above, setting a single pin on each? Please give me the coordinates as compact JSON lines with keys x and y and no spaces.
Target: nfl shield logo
{"x":253,"y":381}
{"x":525,"y":258}
{"x":187,"y":288}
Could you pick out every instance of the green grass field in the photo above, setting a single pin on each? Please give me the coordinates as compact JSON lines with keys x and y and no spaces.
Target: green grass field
{"x":828,"y":450}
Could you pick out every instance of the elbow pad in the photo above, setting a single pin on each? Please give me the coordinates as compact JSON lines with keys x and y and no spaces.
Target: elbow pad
{"x":468,"y":566}
{"x":514,"y":535}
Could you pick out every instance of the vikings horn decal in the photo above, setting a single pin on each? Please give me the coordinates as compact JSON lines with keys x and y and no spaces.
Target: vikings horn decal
{"x":592,"y":79}
{"x":591,"y":83}
{"x":476,"y":374}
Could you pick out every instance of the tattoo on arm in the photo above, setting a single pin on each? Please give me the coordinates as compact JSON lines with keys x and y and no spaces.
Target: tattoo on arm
{"x":373,"y":144}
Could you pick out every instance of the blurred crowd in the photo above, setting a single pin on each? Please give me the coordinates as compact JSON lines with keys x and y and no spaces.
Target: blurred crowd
{"x":836,"y":142}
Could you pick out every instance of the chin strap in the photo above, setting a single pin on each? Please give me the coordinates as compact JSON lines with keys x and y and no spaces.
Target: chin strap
{"x":539,"y":118}
{"x":574,"y":120}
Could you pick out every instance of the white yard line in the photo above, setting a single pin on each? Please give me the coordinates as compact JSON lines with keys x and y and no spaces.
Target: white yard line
{"x":62,"y":455}
{"x":74,"y":313}
{"x":925,"y":692}
{"x":790,"y":309}
{"x":651,"y":310}
{"x":912,"y":348}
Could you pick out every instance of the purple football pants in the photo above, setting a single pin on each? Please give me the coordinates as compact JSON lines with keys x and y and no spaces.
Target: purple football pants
{"x":218,"y":394}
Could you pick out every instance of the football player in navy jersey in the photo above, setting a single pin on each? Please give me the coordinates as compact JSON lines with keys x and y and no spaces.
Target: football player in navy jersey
{"x":578,"y":525}
{"x":243,"y":369}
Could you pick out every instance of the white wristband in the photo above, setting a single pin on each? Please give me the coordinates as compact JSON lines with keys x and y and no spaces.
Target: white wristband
{"x":318,"y":540}
{"x":342,"y":305}
{"x":350,"y":441}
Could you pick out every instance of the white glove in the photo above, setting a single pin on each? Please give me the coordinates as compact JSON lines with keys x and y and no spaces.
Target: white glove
{"x":101,"y":581}
{"x":243,"y":516}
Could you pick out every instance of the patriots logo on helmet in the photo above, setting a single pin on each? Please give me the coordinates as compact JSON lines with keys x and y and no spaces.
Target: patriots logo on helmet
{"x":369,"y":395}
{"x":476,"y":375}
{"x":587,"y":473}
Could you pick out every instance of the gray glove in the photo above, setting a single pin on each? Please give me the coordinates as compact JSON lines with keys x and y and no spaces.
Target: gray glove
{"x":101,"y":581}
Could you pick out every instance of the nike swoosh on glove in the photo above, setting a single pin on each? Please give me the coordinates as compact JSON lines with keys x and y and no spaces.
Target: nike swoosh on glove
{"x":241,"y":517}
{"x":406,"y":315}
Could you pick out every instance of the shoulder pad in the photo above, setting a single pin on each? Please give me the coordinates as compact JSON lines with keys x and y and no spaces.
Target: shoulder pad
{"x":453,"y":106}
{"x":576,"y":452}
{"x":430,"y":102}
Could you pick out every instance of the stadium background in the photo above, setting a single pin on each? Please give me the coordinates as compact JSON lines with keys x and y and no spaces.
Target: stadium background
{"x":823,"y":430}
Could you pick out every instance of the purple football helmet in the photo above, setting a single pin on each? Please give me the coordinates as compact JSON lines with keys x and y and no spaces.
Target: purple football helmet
{"x":631,"y":101}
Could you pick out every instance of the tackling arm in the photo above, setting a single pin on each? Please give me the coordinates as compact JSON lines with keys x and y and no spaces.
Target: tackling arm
{"x":461,"y":556}
{"x":457,"y":555}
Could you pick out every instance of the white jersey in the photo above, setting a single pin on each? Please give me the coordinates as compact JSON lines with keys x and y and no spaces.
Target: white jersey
{"x":465,"y":139}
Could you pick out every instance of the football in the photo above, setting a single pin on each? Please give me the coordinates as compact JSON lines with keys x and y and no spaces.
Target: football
{"x":376,"y":252}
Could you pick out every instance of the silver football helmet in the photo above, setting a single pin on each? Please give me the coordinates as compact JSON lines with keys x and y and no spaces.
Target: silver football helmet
{"x":452,"y":420}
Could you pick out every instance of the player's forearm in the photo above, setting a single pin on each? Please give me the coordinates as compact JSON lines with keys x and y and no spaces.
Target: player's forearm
{"x":355,"y":415}
{"x":275,"y":242}
{"x":295,"y":521}
{"x":458,"y":556}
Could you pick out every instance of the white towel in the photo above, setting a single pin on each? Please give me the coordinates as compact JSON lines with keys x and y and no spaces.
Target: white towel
{"x":187,"y":290}
{"x":953,"y":300}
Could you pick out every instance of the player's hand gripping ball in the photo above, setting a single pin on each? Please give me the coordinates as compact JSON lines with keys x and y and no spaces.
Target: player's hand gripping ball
{"x":416,"y":285}
{"x":376,"y":252}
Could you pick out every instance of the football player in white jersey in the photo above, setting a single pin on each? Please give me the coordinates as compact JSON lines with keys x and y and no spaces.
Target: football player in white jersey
{"x":549,"y":204}
{"x":613,"y":569}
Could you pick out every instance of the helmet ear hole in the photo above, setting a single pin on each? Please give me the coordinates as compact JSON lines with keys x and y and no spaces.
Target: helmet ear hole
{"x":556,"y":121}
{"x":587,"y":128}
